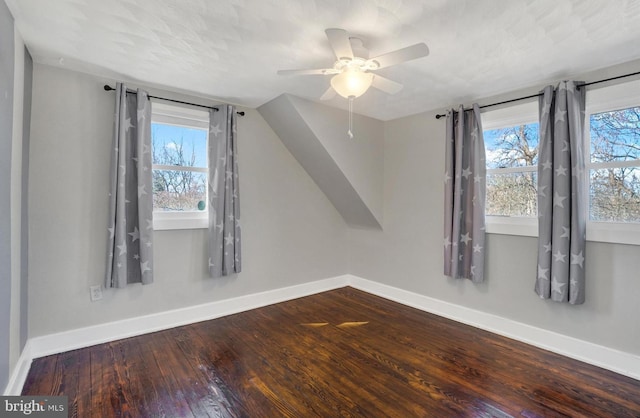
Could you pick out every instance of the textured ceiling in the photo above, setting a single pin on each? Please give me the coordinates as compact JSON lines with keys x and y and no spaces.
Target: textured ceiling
{"x":231,"y":49}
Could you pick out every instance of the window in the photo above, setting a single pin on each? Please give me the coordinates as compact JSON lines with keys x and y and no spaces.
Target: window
{"x":179,"y":137}
{"x":512,"y":162}
{"x":614,"y":193}
{"x":511,"y":142}
{"x":613,"y":163}
{"x":612,"y":157}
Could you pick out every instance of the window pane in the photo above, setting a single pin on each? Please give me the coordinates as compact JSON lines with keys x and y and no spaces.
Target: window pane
{"x":512,"y":194}
{"x":615,"y":135}
{"x":178,"y":145}
{"x":615,"y":194}
{"x":175,"y":190}
{"x":515,"y":146}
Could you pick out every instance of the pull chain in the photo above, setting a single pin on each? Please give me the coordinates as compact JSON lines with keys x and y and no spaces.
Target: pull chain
{"x":350,"y":132}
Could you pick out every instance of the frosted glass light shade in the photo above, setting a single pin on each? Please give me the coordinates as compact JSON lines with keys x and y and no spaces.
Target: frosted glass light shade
{"x":351,"y":83}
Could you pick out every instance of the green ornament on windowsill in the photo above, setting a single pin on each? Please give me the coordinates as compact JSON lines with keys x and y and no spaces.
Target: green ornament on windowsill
{"x":201,"y":205}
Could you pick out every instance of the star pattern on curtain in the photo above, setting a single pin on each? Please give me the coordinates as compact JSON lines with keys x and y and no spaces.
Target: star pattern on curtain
{"x":130,"y":228}
{"x":224,"y":202}
{"x":464,"y":177}
{"x":561,"y":212}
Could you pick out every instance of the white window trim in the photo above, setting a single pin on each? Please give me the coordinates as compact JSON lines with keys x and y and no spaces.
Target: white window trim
{"x":614,"y":232}
{"x":176,"y":114}
{"x":519,"y":114}
{"x":180,"y":168}
{"x":188,"y":117}
{"x":511,"y":170}
{"x":512,"y":225}
{"x":163,"y":221}
{"x":620,"y":96}
{"x":598,"y":100}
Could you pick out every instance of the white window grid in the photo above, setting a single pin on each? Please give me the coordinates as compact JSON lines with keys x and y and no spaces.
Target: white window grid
{"x":188,"y":117}
{"x":519,"y":114}
{"x":603,"y":99}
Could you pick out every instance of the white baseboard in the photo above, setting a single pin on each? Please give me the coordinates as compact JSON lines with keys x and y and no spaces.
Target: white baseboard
{"x":111,"y":331}
{"x":19,"y":375}
{"x":620,"y":362}
{"x":617,"y":361}
{"x":97,"y":334}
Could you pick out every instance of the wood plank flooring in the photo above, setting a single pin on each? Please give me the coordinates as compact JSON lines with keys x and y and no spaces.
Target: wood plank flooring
{"x":343,"y":353}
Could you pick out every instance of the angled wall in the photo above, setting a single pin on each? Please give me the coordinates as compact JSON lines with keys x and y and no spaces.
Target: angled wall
{"x":15,"y":75}
{"x":7,"y":61}
{"x":348,"y":171}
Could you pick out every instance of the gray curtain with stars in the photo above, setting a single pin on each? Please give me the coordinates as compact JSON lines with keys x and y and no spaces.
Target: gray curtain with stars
{"x":465,"y":190}
{"x":225,"y":257}
{"x":130,"y":257}
{"x":561,"y":200}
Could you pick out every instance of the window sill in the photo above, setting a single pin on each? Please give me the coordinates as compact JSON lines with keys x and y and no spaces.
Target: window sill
{"x":165,"y":221}
{"x":507,"y":225}
{"x":607,"y":232}
{"x":614,"y":232}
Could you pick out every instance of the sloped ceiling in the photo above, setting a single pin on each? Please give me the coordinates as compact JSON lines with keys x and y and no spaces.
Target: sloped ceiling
{"x":231,"y":49}
{"x":349,"y":172}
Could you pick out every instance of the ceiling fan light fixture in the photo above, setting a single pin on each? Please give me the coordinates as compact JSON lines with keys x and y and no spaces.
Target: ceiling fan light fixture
{"x":351,"y":83}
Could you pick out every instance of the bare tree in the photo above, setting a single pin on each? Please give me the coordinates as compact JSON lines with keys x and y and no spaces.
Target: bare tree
{"x":513,"y":194}
{"x":615,"y":191}
{"x":517,"y":146}
{"x":176,"y":189}
{"x":614,"y":186}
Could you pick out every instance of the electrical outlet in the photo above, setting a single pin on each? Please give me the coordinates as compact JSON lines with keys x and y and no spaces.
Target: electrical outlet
{"x":95,"y":292}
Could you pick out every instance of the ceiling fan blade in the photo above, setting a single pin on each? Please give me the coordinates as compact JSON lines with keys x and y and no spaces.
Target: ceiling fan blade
{"x":320,"y":71}
{"x":386,"y":85}
{"x":339,"y":40}
{"x":329,"y":94}
{"x":401,"y":55}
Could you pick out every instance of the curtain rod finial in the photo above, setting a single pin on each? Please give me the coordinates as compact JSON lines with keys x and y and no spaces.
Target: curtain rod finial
{"x":108,"y":87}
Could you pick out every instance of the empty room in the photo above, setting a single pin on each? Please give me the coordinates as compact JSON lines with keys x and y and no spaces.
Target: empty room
{"x":305,"y":208}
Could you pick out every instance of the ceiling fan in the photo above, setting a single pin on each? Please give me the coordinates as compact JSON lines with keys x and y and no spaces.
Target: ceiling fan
{"x":351,"y":72}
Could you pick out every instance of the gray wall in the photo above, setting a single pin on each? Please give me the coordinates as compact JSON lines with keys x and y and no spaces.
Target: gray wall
{"x":291,"y":232}
{"x":408,"y":253}
{"x":349,"y":172}
{"x":6,"y":137}
{"x":24,"y":227}
{"x":361,"y":158}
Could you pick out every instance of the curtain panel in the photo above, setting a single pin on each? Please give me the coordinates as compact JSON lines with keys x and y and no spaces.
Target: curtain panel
{"x":561,"y":194}
{"x":225,"y":256}
{"x":465,"y":191}
{"x":130,"y":255}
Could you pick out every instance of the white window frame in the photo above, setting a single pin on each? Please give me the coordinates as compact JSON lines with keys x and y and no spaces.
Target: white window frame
{"x":620,"y":96}
{"x":519,"y":114}
{"x":188,"y":117}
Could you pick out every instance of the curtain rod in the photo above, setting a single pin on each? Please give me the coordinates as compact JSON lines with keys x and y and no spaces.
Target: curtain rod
{"x":540,"y":94}
{"x":109,"y":88}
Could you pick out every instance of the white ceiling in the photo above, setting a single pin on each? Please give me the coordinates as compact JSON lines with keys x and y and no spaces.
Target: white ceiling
{"x":231,"y":49}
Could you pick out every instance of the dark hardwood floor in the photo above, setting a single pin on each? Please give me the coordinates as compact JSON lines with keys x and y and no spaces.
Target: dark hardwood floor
{"x":343,"y":353}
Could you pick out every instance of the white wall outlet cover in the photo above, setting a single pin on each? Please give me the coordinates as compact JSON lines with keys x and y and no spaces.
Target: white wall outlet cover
{"x":95,"y":292}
